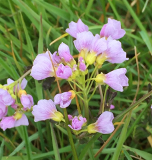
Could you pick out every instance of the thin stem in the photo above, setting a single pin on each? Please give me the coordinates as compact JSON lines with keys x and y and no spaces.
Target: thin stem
{"x":77,"y":85}
{"x":70,"y":135}
{"x":75,"y":91}
{"x":102,"y":110}
{"x":85,"y":100}
{"x":92,"y":93}
{"x":91,"y":77}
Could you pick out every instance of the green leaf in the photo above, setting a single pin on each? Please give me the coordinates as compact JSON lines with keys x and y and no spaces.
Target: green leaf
{"x":143,"y":154}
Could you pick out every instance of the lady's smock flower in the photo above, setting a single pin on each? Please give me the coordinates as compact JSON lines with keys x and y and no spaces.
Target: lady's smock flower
{"x":113,"y":29}
{"x":103,"y":124}
{"x":14,"y":121}
{"x":63,"y":72}
{"x":46,"y":109}
{"x":115,"y":79}
{"x":64,"y":99}
{"x":42,"y":67}
{"x":77,"y":122}
{"x":75,"y":28}
{"x":113,"y":54}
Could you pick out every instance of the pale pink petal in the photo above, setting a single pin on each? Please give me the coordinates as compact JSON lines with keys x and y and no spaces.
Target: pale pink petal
{"x":75,"y":28}
{"x":7,"y":122}
{"x":98,"y":44}
{"x":22,"y":121}
{"x":44,"y":110}
{"x":64,"y":52}
{"x":83,"y":41}
{"x":113,"y":29}
{"x":104,"y":123}
{"x":117,"y":79}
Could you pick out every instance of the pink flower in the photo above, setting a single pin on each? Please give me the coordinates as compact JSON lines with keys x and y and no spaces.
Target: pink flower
{"x":82,"y":65}
{"x":77,"y":123}
{"x":3,"y":110}
{"x":113,"y":54}
{"x":113,"y":29}
{"x":64,"y":72}
{"x":112,"y":106}
{"x":64,"y":99}
{"x":19,"y":86}
{"x":115,"y":79}
{"x":6,"y":98}
{"x":103,"y":124}
{"x":14,"y":121}
{"x":27,"y":101}
{"x":98,"y":45}
{"x":64,"y":52}
{"x":70,"y":117}
{"x":83,"y":41}
{"x":75,"y":28}
{"x":42,"y":67}
{"x":46,"y":109}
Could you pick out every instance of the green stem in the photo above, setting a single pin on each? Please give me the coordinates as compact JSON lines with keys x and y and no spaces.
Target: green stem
{"x":85,"y":100}
{"x":104,"y":98}
{"x":75,"y":91}
{"x":77,"y":85}
{"x":92,"y":93}
{"x":91,"y":78}
{"x":70,"y":135}
{"x":27,"y":143}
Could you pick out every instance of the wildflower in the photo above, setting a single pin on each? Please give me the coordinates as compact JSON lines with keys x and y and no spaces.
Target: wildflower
{"x":42,"y":67}
{"x":64,"y":99}
{"x":103,"y":124}
{"x":113,"y":29}
{"x":112,"y":106}
{"x":14,"y":121}
{"x":75,"y":28}
{"x":26,"y":99}
{"x":98,"y":45}
{"x":3,"y":110}
{"x":64,"y":52}
{"x":113,"y":54}
{"x":63,"y":72}
{"x":115,"y":79}
{"x":83,"y":43}
{"x":46,"y":109}
{"x":77,"y":122}
{"x":6,"y":98}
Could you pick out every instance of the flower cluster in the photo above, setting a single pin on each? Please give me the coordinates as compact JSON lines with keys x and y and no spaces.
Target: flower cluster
{"x":93,"y":50}
{"x":10,"y":95}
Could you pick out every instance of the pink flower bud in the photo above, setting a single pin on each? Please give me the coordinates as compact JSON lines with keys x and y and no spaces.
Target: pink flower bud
{"x":64,"y":99}
{"x":64,"y":72}
{"x":77,"y":123}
